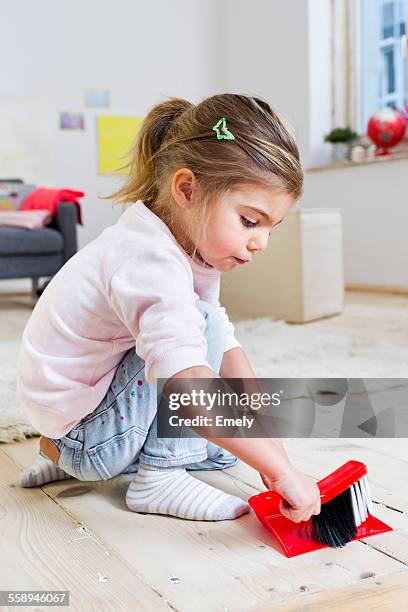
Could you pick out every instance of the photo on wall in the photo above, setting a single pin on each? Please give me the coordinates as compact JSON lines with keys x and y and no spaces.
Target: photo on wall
{"x":115,"y":136}
{"x":71,"y":121}
{"x":97,"y":98}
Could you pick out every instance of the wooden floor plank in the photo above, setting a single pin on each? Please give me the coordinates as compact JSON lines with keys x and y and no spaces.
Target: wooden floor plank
{"x":387,"y":594}
{"x":42,"y":546}
{"x":220,"y":565}
{"x":246,"y":482}
{"x":389,"y":447}
{"x":373,"y":316}
{"x":232,"y":565}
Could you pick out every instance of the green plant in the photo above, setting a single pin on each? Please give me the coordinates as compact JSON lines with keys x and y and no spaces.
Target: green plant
{"x":341,"y":135}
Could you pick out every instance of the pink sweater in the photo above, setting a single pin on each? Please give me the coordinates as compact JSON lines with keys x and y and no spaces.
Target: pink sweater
{"x":132,"y":287}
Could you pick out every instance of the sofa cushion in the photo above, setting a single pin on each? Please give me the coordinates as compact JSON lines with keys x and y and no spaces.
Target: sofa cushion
{"x":24,"y":241}
{"x":25,"y":219}
{"x":30,"y":266}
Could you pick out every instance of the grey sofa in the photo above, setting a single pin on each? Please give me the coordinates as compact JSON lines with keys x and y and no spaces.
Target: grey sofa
{"x":35,"y":253}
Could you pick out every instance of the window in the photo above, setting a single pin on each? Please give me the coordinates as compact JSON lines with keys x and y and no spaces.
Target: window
{"x":382,"y":57}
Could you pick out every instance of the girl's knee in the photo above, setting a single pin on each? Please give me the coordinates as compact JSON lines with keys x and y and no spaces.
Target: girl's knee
{"x":214,"y":322}
{"x":215,"y":333}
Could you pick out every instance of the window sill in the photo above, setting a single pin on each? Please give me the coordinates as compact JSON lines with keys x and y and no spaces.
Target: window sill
{"x":351,"y":164}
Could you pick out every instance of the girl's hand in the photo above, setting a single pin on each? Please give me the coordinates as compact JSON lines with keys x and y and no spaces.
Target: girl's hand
{"x":301,"y":495}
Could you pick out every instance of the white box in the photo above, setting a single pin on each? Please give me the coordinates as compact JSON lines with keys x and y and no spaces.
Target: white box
{"x":298,"y":278}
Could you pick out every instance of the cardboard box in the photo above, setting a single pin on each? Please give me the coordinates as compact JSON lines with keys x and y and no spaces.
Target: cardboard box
{"x":298,"y":278}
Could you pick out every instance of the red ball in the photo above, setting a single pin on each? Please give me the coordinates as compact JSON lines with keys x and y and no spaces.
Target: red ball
{"x":386,"y":128}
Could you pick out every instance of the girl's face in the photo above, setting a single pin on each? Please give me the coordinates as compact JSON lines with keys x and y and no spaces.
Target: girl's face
{"x":239,"y":225}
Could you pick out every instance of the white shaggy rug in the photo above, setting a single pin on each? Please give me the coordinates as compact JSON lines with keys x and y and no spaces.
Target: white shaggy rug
{"x":274,"y":348}
{"x":14,"y":424}
{"x":277,"y":349}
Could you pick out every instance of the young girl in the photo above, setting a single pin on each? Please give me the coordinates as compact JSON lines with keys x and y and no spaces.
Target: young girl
{"x":206,"y":185}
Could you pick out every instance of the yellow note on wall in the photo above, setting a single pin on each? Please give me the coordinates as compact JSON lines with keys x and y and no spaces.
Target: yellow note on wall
{"x":116,"y":136}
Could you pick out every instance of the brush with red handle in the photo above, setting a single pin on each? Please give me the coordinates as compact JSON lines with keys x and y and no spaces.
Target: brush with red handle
{"x":346,"y":513}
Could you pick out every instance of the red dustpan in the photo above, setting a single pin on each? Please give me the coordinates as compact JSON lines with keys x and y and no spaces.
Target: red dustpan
{"x":298,"y":538}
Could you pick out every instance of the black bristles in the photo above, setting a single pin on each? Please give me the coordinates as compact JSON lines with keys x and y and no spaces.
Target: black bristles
{"x":335,"y":525}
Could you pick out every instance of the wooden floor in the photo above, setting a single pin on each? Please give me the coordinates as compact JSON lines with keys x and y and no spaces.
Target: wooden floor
{"x":80,"y":536}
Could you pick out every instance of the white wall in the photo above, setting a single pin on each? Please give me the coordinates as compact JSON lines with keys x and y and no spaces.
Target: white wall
{"x":146,"y":49}
{"x":373,"y":201}
{"x":140,"y":50}
{"x":372,"y":198}
{"x":319,"y":81}
{"x":264,"y":52}
{"x":282,"y":51}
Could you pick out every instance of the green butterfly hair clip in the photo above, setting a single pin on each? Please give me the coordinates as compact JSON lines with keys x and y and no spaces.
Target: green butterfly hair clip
{"x":222,"y":131}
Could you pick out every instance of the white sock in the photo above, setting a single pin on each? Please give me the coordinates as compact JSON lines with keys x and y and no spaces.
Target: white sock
{"x":171,"y":490}
{"x":41,"y":472}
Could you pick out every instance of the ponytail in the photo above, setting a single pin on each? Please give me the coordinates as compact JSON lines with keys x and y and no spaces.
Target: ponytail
{"x":143,"y":181}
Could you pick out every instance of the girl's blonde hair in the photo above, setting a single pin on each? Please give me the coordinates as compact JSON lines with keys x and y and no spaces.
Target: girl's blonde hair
{"x":178,"y":134}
